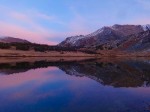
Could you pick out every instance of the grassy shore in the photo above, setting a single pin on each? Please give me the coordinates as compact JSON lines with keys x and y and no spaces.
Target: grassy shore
{"x":32,"y":53}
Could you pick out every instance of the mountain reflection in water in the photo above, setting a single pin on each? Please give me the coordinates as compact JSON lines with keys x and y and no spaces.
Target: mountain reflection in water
{"x":120,"y":73}
{"x":92,"y":85}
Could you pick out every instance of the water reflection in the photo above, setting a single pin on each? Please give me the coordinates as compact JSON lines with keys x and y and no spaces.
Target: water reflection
{"x":93,"y":85}
{"x":120,"y":73}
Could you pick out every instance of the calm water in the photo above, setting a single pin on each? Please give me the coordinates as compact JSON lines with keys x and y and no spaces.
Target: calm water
{"x":83,"y":86}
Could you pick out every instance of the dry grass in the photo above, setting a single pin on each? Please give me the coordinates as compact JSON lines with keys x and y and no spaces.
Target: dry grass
{"x":49,"y":59}
{"x":19,"y":53}
{"x":117,"y":53}
{"x":104,"y":53}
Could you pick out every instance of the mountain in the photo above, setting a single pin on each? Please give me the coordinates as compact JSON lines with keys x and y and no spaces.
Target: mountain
{"x":12,"y":39}
{"x":106,"y":37}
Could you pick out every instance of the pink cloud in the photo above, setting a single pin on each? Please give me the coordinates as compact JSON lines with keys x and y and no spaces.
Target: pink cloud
{"x":32,"y":30}
{"x":20,"y":16}
{"x":23,"y":33}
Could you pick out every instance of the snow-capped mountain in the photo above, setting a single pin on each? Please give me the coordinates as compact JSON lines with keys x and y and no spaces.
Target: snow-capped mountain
{"x":12,"y":39}
{"x":107,"y":34}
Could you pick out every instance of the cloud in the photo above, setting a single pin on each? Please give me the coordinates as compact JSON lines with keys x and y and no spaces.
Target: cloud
{"x":31,"y":22}
{"x":29,"y":29}
{"x":8,"y":29}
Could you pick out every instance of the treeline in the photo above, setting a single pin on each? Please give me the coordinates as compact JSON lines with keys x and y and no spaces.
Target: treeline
{"x":5,"y":46}
{"x":39,"y":47}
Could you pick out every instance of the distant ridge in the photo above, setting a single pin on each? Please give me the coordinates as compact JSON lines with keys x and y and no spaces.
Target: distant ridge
{"x":12,"y":40}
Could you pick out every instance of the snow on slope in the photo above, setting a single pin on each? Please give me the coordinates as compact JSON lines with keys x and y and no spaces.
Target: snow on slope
{"x":74,"y":39}
{"x":104,"y":30}
{"x":146,"y":27}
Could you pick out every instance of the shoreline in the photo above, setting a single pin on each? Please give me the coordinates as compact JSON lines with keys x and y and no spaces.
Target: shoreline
{"x":59,"y":54}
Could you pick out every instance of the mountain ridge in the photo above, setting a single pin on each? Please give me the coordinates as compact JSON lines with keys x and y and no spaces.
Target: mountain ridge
{"x":103,"y":35}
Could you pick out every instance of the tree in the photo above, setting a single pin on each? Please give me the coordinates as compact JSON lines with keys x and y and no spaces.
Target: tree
{"x":4,"y":46}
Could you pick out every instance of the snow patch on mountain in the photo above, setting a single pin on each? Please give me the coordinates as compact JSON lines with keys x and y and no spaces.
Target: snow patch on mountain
{"x":105,"y":30}
{"x":146,"y":27}
{"x":74,"y":39}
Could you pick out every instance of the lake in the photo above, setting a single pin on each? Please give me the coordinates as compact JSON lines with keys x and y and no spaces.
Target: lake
{"x":88,"y":85}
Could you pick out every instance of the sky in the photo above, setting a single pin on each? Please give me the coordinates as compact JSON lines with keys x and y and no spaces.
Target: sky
{"x":51,"y":21}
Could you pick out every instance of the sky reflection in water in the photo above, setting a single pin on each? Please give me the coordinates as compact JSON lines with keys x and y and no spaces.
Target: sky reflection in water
{"x":69,"y":88}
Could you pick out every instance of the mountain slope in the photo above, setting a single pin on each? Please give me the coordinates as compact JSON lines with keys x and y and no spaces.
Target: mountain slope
{"x":111,"y":35}
{"x":136,"y":42}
